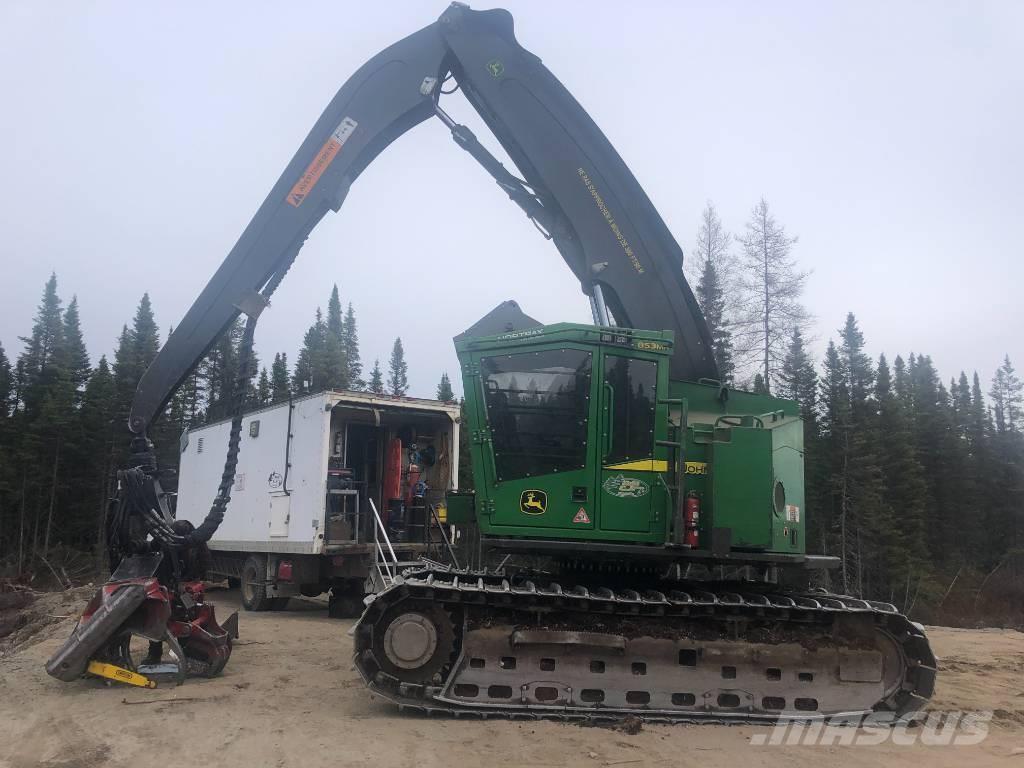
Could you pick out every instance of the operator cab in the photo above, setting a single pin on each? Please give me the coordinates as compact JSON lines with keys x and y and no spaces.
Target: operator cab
{"x":571,"y":429}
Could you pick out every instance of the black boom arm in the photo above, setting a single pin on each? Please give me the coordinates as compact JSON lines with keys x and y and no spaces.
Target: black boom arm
{"x":574,"y":186}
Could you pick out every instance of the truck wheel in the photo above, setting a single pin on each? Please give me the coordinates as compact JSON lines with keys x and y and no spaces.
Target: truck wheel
{"x":344,"y":604}
{"x":253,"y":585}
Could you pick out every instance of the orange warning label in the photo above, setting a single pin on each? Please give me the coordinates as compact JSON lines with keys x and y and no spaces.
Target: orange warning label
{"x":581,"y":516}
{"x":319,"y":163}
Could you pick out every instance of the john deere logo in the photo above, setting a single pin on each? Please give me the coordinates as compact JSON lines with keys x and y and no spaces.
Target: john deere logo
{"x":625,"y":487}
{"x":533,"y":502}
{"x":495,"y":67}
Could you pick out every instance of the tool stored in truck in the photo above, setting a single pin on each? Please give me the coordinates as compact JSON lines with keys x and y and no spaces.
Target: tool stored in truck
{"x":311,"y":471}
{"x":642,"y":526}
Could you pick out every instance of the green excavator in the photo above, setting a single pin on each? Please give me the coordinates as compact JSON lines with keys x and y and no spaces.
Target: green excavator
{"x":641,"y":528}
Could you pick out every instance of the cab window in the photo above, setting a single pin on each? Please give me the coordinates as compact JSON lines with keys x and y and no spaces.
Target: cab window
{"x":537,"y":410}
{"x":630,"y":386}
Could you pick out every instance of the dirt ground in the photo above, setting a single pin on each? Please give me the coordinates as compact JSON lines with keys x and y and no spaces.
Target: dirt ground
{"x":290,"y":697}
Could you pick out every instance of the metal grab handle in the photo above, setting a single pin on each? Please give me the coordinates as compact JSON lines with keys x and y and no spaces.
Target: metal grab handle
{"x":609,"y":421}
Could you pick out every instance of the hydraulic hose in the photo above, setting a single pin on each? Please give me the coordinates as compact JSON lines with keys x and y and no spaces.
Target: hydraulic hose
{"x":205,"y":530}
{"x":139,"y":489}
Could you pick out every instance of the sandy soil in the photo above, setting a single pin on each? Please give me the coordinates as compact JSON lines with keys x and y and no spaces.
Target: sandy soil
{"x":290,"y":697}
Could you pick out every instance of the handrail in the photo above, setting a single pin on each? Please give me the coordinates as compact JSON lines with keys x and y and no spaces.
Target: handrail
{"x":379,"y":531}
{"x":448,"y":545}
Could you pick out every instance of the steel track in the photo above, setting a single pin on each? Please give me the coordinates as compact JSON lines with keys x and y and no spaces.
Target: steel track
{"x":481,"y":592}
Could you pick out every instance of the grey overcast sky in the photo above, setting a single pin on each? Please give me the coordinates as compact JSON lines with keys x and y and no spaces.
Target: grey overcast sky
{"x":139,"y":138}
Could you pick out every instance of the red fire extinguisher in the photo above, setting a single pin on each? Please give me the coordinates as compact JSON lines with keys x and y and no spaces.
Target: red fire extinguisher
{"x":691,"y":518}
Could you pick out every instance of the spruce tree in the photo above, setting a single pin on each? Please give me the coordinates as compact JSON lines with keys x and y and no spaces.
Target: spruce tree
{"x":76,"y":358}
{"x":866,"y":516}
{"x":712,"y":252}
{"x":398,"y":370}
{"x":798,"y":379}
{"x":960,"y":393}
{"x":136,"y":348}
{"x":350,"y":340}
{"x":903,"y":549}
{"x":334,"y":359}
{"x":124,"y":370}
{"x":263,"y":388}
{"x":941,"y":457}
{"x":376,"y":384}
{"x":6,"y":384}
{"x":901,"y":383}
{"x":829,"y":526}
{"x":145,"y":335}
{"x":39,"y":362}
{"x":444,"y":389}
{"x":1007,"y":393}
{"x":1005,"y":476}
{"x":310,"y":368}
{"x":759,"y":387}
{"x":859,"y":370}
{"x":980,"y":421}
{"x":7,"y":471}
{"x":219,"y":371}
{"x":184,"y":412}
{"x":280,"y":387}
{"x":101,"y":438}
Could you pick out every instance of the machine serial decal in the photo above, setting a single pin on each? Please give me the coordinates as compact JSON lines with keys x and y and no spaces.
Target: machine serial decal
{"x":533,"y":502}
{"x":599,"y":202}
{"x":625,"y":487}
{"x":696,"y":468}
{"x":657,"y":346}
{"x":319,"y":163}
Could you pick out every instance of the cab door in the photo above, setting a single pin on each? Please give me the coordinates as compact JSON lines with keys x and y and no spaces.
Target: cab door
{"x":630,"y":493}
{"x":538,"y":470}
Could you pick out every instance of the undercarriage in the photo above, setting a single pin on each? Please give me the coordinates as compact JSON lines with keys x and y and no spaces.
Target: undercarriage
{"x":483,"y":644}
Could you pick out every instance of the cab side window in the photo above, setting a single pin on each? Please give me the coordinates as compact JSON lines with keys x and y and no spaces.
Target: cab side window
{"x":537,"y":407}
{"x":631,"y":388}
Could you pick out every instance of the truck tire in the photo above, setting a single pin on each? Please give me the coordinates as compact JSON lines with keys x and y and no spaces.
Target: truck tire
{"x":253,"y":586}
{"x":345,"y":602}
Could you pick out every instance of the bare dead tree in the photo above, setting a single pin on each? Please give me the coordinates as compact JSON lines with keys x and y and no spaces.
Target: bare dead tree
{"x":770,"y":287}
{"x":713,"y":244}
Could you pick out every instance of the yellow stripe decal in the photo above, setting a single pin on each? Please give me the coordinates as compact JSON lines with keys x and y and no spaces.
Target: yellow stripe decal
{"x":645,"y":465}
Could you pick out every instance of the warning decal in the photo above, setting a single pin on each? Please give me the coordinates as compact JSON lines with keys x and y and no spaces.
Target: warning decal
{"x":793,"y":513}
{"x":581,"y":516}
{"x":319,"y":163}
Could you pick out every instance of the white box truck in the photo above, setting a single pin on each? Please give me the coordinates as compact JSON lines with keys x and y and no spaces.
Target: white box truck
{"x":300,"y":519}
